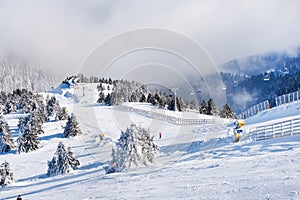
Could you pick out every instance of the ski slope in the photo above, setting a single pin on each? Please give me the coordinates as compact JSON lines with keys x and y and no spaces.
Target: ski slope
{"x":194,"y":162}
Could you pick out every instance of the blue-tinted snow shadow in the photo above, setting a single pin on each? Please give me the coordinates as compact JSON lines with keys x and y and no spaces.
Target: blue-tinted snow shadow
{"x":92,"y":166}
{"x":43,"y":179}
{"x":95,"y":105}
{"x":213,"y":147}
{"x":49,"y":188}
{"x":13,"y":151}
{"x":196,"y":146}
{"x":49,"y":137}
{"x":244,"y":149}
{"x":275,"y":145}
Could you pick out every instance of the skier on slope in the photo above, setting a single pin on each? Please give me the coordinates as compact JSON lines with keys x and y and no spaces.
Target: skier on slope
{"x":160,"y":134}
{"x":19,"y":197}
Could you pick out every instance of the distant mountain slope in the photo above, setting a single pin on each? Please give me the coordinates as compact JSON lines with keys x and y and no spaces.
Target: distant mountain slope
{"x":16,"y":74}
{"x":281,"y":62}
{"x":246,"y":82}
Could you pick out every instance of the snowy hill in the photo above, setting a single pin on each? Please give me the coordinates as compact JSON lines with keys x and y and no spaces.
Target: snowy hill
{"x":194,"y":162}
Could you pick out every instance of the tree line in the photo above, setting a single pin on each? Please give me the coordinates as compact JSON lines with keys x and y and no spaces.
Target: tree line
{"x":119,"y":91}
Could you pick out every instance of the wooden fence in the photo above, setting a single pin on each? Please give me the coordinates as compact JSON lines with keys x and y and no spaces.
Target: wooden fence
{"x":287,"y":98}
{"x":164,"y":117}
{"x":253,"y":110}
{"x":280,"y":100}
{"x":279,"y":129}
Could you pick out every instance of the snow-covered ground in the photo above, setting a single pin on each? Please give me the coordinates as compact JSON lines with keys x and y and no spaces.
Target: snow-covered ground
{"x":194,"y":162}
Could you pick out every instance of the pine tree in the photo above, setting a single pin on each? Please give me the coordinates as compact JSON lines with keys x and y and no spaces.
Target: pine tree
{"x":149,"y":98}
{"x":72,"y":127}
{"x":23,"y":124}
{"x":211,"y":108}
{"x":6,"y":140}
{"x":142,"y":99}
{"x":108,"y":100}
{"x":62,"y":161}
{"x":101,"y":97}
{"x":52,"y":108}
{"x":35,"y":123}
{"x":181,"y":105}
{"x":134,"y":148}
{"x":10,"y":107}
{"x":62,"y":114}
{"x":226,"y":112}
{"x":6,"y":174}
{"x":194,"y":105}
{"x":27,"y":142}
{"x":203,"y":109}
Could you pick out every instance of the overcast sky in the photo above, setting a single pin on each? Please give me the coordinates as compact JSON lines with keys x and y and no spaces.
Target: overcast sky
{"x":59,"y":35}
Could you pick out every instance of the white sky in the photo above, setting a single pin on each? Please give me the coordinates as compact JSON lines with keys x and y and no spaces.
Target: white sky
{"x":59,"y":35}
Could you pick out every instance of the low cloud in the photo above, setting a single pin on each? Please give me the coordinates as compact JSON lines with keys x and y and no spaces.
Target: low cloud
{"x":243,"y":98}
{"x":59,"y":35}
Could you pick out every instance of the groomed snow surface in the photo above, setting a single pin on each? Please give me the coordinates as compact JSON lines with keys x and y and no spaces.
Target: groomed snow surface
{"x":194,"y":162}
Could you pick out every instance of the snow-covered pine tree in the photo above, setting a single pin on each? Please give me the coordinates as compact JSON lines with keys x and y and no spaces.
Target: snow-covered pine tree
{"x":108,"y":99}
{"x":134,"y":148}
{"x":226,"y":112}
{"x":171,"y":104}
{"x":52,"y":108}
{"x":143,"y":99}
{"x":181,"y":104}
{"x":101,"y":97}
{"x":194,"y":105}
{"x":36,"y":123}
{"x":41,"y":109}
{"x":72,"y":127}
{"x":149,"y":97}
{"x":6,"y":174}
{"x":6,"y":140}
{"x":62,"y":161}
{"x":27,"y":142}
{"x":10,"y":107}
{"x":211,"y":108}
{"x":203,"y":108}
{"x":62,"y":114}
{"x":23,"y":124}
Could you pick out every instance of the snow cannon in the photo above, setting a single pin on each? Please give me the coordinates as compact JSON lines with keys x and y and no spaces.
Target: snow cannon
{"x":238,"y":130}
{"x":102,"y":136}
{"x":240,"y":122}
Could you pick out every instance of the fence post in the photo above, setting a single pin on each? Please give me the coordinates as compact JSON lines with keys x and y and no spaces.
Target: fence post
{"x":293,"y":96}
{"x":281,"y":129}
{"x":256,"y":134}
{"x":291,"y":127}
{"x":279,"y":100}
